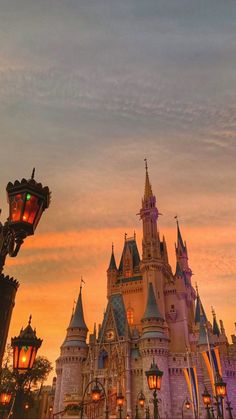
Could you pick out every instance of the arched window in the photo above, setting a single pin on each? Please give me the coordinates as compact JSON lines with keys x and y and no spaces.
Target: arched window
{"x":103,"y":359}
{"x":130,"y":316}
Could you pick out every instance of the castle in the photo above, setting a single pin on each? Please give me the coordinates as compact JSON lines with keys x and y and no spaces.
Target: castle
{"x":151,"y":314}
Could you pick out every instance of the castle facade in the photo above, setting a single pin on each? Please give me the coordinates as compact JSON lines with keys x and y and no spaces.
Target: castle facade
{"x":152,"y":314}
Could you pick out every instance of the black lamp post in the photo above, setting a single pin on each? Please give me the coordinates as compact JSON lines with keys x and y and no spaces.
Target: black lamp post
{"x":97,"y":391}
{"x":229,"y":408}
{"x":25,"y":347}
{"x":220,"y":387}
{"x":27,"y":200}
{"x":206,"y":397}
{"x":139,"y":402}
{"x":154,"y":377}
{"x":120,"y":403}
{"x":147,"y":411}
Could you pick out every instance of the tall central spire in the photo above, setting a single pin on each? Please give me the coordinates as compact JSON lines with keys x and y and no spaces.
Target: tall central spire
{"x":148,"y":187}
{"x":149,"y":215}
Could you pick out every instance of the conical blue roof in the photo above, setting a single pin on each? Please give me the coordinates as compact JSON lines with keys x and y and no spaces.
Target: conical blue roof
{"x":180,"y":242}
{"x":215,"y":328}
{"x":199,"y":311}
{"x":132,"y":245}
{"x":112,"y":264}
{"x":178,"y":271}
{"x":77,"y":320}
{"x":152,"y":310}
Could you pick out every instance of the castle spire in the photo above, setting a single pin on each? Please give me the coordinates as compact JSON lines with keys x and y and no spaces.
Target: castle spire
{"x":180,"y":243}
{"x":148,"y":188}
{"x":182,"y":256}
{"x":200,"y":315}
{"x":152,"y":310}
{"x":215,"y":327}
{"x":112,"y":264}
{"x":77,"y":320}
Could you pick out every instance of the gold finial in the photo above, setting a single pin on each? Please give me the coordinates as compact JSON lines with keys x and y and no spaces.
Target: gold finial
{"x":134,"y":235}
{"x":30,"y":318}
{"x":112,"y":247}
{"x":125,"y":236}
{"x":33,"y":173}
{"x":196,"y":286}
{"x":213,"y":311}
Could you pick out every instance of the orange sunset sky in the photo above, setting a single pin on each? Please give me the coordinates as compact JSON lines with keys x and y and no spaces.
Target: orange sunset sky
{"x":87,"y":91}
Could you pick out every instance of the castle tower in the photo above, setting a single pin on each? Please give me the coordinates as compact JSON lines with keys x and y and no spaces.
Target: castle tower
{"x":74,"y":352}
{"x":154,"y":344}
{"x":153,"y":259}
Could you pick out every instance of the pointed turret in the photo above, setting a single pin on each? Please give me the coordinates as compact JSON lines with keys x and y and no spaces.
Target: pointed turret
{"x":180,"y":242}
{"x":112,"y":273}
{"x":152,"y":320}
{"x":74,"y":351}
{"x":215,"y":327}
{"x":130,"y":259}
{"x":199,"y":311}
{"x":152,"y":311}
{"x":77,"y":320}
{"x":182,"y":255}
{"x":148,"y":188}
{"x":149,"y":215}
{"x":77,"y":329}
{"x":112,"y":264}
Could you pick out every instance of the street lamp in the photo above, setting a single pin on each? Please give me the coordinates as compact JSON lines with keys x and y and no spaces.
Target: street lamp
{"x":140,"y":402}
{"x":154,"y":378}
{"x":27,"y":200}
{"x":206,"y":397}
{"x":120,"y":403}
{"x":186,"y":404}
{"x":96,"y":395}
{"x":5,"y":398}
{"x":25,"y":347}
{"x":220,"y":387}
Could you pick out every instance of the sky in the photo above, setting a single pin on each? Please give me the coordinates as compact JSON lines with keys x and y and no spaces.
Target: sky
{"x":88,"y":89}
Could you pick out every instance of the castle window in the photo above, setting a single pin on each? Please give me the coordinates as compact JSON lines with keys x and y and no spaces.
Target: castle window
{"x":103,"y":359}
{"x":130,"y":316}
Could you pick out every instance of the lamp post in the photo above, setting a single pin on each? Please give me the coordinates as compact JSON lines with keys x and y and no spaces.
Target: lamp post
{"x":97,"y":392}
{"x":186,"y":404}
{"x":139,"y":402}
{"x":120,"y":403}
{"x":147,"y":411}
{"x":220,"y":387}
{"x":229,"y":408}
{"x":27,"y":200}
{"x":206,"y":397}
{"x":154,"y":377}
{"x":25,"y":347}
